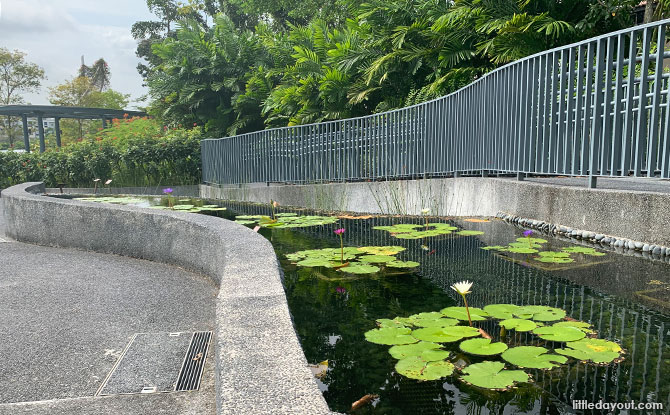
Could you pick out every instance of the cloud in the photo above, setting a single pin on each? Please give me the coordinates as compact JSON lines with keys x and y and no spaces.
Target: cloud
{"x":34,"y":17}
{"x":56,"y":33}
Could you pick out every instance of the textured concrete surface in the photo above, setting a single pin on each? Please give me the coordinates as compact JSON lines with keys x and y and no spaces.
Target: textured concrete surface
{"x":260,"y":366}
{"x":641,"y":215}
{"x":189,"y":191}
{"x":67,"y":315}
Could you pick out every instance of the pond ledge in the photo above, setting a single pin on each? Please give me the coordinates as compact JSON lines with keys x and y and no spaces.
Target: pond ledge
{"x":260,"y":365}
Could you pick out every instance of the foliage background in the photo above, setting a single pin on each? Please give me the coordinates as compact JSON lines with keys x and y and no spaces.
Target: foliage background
{"x":132,"y":152}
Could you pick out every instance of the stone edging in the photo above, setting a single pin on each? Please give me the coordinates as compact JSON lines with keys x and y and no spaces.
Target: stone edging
{"x":260,"y":365}
{"x":602,"y":241}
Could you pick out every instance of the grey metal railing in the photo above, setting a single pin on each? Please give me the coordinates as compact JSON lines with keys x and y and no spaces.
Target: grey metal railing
{"x":594,"y":108}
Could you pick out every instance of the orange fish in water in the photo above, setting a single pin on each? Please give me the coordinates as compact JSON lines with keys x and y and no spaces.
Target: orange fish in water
{"x":363,"y":401}
{"x":431,"y":252}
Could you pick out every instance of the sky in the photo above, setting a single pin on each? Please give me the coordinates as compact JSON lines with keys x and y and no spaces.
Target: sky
{"x":56,"y":33}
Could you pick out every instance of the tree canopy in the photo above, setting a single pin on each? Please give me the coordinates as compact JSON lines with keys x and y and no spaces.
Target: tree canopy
{"x":236,"y":66}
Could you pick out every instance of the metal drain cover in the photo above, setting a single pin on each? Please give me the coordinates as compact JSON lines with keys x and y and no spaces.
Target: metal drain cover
{"x":155,"y":362}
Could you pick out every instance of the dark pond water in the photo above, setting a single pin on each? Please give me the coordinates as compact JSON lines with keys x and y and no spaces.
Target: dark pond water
{"x":627,"y":300}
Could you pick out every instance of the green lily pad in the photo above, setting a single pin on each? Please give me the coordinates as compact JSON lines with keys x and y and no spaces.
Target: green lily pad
{"x":402,"y":264}
{"x":460,"y":313}
{"x":583,"y":250}
{"x":376,"y":259}
{"x":524,"y":245}
{"x":518,"y":324}
{"x":445,"y":334}
{"x":469,"y":233}
{"x":533,"y":357}
{"x":285,"y":214}
{"x":581,"y":325}
{"x":387,"y":322}
{"x":432,"y":319}
{"x":417,"y":231}
{"x":532,"y":240}
{"x":358,"y":268}
{"x":245,"y":222}
{"x":255,"y":218}
{"x":494,"y":247}
{"x":414,"y":367}
{"x":540,"y":313}
{"x":315,"y":262}
{"x":522,"y":250}
{"x":428,"y":351}
{"x":595,"y":350}
{"x":183,"y":207}
{"x":482,"y":347}
{"x":559,"y":334}
{"x":554,"y":259}
{"x":380,"y":250}
{"x":390,"y":336}
{"x":492,"y":375}
{"x":501,"y":311}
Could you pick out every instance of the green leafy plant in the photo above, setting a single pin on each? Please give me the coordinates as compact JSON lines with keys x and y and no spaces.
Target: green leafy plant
{"x":364,"y":260}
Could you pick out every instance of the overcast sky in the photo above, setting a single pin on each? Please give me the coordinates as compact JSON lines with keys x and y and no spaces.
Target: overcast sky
{"x":55,"y":33}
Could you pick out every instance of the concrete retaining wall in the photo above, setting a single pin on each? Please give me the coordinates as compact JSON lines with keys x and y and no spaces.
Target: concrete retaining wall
{"x":641,"y":216}
{"x":260,"y":364}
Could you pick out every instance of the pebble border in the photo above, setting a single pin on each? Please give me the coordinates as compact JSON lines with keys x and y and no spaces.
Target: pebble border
{"x":602,"y":241}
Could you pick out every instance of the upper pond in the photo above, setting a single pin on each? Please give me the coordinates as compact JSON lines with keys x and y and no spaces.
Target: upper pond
{"x":625,"y":299}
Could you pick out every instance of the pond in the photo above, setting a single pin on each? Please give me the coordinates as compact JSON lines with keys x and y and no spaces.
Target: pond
{"x":625,"y":299}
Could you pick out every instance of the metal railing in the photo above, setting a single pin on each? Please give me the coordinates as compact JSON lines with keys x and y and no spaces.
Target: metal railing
{"x":594,"y":108}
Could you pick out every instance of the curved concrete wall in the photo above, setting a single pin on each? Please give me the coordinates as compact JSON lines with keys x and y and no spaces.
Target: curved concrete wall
{"x":642,"y":216}
{"x":260,"y":364}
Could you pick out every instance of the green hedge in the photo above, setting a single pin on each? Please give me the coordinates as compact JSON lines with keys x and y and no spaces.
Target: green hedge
{"x":150,"y":157}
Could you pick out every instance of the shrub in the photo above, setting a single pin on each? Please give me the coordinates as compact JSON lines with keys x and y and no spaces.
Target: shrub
{"x":132,"y":152}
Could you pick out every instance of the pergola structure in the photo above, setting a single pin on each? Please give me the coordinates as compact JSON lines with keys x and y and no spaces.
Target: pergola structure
{"x":48,"y":111}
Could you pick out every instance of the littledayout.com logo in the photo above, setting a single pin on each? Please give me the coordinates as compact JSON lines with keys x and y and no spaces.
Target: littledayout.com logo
{"x":611,"y":406}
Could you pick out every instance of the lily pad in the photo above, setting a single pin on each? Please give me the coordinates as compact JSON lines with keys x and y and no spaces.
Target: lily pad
{"x":315,"y":262}
{"x":583,"y":250}
{"x":376,"y":259}
{"x":432,"y":319}
{"x":380,"y":250}
{"x":417,"y":231}
{"x":245,"y":222}
{"x":518,"y":324}
{"x":428,"y":351}
{"x":559,"y":334}
{"x":540,"y":313}
{"x":492,"y":375}
{"x":387,"y":322}
{"x":494,"y":247}
{"x":390,"y":336}
{"x":460,"y":313}
{"x":358,"y":268}
{"x":482,"y":347}
{"x":469,"y":233}
{"x":183,"y":207}
{"x":402,"y":264}
{"x":554,"y":257}
{"x":414,"y":367}
{"x":595,"y":350}
{"x":501,"y":311}
{"x":532,"y":240}
{"x":533,"y":357}
{"x":445,"y":334}
{"x":581,"y":325}
{"x":522,"y":250}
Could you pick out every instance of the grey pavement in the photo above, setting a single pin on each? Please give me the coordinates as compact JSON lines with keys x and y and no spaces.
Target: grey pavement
{"x":636,"y":184}
{"x":66,"y":315}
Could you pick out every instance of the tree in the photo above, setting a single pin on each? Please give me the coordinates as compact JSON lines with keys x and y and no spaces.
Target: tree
{"x":80,"y":92}
{"x":99,"y":74}
{"x":16,"y":76}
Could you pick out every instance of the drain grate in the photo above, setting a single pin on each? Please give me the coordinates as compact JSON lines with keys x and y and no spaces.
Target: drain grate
{"x":194,"y":362}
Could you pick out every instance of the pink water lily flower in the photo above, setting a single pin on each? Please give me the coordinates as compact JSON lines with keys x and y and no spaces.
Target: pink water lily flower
{"x":339,"y":231}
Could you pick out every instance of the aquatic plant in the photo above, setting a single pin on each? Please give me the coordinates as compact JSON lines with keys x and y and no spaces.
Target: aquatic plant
{"x":95,"y":186}
{"x":285,"y":220}
{"x":131,"y":200}
{"x":424,"y":343}
{"x":463,"y":288}
{"x":339,"y":233}
{"x":424,"y":213}
{"x":363,"y":260}
{"x":273,"y":204}
{"x":414,"y":231}
{"x":168,"y":191}
{"x":529,"y":245}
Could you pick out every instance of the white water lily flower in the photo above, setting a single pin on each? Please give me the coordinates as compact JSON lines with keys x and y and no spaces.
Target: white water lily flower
{"x":425,"y":211}
{"x":462,"y":287}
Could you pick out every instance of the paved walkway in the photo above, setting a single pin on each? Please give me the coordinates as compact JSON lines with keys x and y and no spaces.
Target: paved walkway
{"x":66,"y":315}
{"x":638,"y":184}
